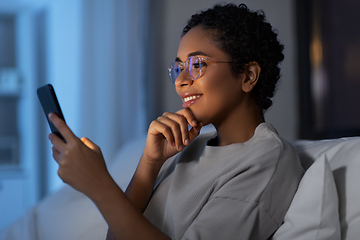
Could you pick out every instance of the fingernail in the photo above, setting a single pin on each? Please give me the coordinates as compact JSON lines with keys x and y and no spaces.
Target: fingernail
{"x":194,"y":123}
{"x":181,"y":147}
{"x":186,"y":142}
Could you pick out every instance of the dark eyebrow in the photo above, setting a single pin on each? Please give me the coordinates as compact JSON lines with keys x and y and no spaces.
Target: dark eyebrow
{"x":197,"y":53}
{"x":192,"y":54}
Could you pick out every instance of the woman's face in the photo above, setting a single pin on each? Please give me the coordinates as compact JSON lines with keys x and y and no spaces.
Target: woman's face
{"x":218,"y":93}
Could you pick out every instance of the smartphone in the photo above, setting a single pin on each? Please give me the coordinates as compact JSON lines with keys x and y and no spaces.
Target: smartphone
{"x":50,"y":104}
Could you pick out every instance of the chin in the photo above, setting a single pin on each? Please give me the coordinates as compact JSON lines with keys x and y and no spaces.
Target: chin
{"x":200,"y":115}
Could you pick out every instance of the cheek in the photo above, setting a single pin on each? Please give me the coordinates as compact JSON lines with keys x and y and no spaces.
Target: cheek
{"x":223,"y":91}
{"x":219,"y":84}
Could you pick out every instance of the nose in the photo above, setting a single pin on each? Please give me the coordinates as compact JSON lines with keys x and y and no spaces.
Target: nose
{"x":183,"y":80}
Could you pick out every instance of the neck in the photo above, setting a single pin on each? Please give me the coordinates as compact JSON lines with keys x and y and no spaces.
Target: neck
{"x":240,"y":126}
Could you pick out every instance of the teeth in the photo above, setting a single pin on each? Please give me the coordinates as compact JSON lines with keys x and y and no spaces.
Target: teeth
{"x":191,"y":98}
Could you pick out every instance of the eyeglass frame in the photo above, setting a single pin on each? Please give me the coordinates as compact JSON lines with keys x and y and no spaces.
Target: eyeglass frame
{"x":183,"y":65}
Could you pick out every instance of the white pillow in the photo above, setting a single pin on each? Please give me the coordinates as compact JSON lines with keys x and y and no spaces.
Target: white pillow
{"x":343,"y":155}
{"x":313,"y":213}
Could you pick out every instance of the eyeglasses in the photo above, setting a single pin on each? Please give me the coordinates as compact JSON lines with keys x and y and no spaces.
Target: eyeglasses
{"x":194,"y":67}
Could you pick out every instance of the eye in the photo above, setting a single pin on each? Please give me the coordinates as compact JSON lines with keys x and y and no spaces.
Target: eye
{"x":177,"y":67}
{"x":203,"y":63}
{"x":196,"y":65}
{"x":198,"y":62}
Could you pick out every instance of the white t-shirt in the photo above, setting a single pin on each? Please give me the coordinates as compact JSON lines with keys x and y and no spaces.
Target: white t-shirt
{"x":238,"y":191}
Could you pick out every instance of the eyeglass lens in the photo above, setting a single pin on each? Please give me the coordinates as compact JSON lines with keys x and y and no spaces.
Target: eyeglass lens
{"x":192,"y":67}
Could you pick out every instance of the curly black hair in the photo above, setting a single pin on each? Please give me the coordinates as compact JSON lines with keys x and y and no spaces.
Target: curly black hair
{"x":245,"y":36}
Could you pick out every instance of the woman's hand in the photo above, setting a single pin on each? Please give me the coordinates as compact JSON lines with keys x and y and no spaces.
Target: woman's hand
{"x":81,"y":163}
{"x":169,"y":134}
{"x":82,"y":166}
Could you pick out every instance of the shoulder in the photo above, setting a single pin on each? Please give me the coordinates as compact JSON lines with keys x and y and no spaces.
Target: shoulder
{"x":268,"y":143}
{"x":263,"y":163}
{"x":278,"y":154}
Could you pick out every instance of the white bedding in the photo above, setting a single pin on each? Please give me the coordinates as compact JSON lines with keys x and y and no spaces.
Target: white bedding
{"x":68,"y":214}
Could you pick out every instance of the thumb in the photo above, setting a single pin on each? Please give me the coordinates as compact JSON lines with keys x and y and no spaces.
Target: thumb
{"x":195,"y":131}
{"x":90,"y":144}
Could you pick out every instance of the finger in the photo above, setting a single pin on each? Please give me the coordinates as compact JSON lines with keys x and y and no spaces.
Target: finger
{"x":169,"y":129}
{"x":62,"y":127}
{"x":195,"y":131}
{"x":180,"y":124}
{"x":90,"y":144}
{"x":179,"y":135}
{"x":56,"y":154}
{"x":157,"y":127}
{"x":188,"y":114}
{"x":57,"y":142}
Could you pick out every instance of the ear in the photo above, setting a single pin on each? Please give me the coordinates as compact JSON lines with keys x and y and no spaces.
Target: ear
{"x":252,"y":73}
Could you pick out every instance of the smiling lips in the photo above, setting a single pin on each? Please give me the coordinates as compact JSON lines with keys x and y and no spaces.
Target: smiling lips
{"x":187,"y":101}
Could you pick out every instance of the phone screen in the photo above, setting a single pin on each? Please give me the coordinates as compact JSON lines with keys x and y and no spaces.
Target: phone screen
{"x":50,"y":104}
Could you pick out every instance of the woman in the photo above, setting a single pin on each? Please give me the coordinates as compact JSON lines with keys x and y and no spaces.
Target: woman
{"x":237,"y":184}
